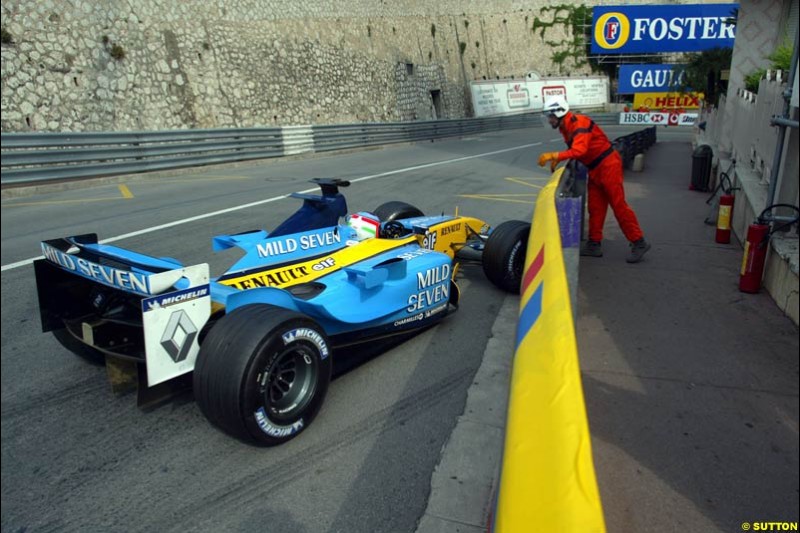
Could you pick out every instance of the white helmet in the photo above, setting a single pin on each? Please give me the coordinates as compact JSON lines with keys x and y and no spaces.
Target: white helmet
{"x":556,"y":105}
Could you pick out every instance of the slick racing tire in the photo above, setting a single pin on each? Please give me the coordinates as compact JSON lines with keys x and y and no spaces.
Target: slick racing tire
{"x":396,"y":211}
{"x":504,"y":255}
{"x":262,"y":373}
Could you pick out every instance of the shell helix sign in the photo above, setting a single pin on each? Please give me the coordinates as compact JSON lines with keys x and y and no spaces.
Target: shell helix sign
{"x":668,"y":28}
{"x":657,"y":101}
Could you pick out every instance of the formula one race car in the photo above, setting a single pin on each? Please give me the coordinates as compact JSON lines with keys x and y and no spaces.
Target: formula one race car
{"x":259,"y":339}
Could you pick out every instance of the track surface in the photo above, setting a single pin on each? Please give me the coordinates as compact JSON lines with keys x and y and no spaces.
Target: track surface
{"x":76,"y":457}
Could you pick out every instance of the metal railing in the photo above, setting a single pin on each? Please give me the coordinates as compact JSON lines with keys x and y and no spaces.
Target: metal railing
{"x":635,"y":143}
{"x":36,"y":157}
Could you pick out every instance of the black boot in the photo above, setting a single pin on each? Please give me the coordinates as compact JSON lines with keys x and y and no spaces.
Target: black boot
{"x":592,"y":249}
{"x":638,"y":249}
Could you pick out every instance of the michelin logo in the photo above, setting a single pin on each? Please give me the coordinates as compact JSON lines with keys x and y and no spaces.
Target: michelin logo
{"x":173,"y":298}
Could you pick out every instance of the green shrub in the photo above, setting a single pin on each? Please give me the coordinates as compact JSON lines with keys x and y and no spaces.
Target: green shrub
{"x":780,"y":59}
{"x":117,"y":52}
{"x":752,"y":80}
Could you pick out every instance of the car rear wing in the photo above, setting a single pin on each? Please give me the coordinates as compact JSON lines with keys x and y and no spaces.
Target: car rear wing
{"x":127,"y":305}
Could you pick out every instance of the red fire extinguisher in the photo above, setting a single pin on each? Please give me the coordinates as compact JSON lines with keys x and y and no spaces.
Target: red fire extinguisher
{"x":725,"y":213}
{"x":755,"y":251}
{"x":756,"y":245}
{"x":724,"y":218}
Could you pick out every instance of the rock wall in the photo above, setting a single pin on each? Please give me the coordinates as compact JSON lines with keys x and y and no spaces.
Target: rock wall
{"x":80,"y":65}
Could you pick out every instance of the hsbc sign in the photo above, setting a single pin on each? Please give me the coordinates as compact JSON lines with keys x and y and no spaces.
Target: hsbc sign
{"x":658,"y":119}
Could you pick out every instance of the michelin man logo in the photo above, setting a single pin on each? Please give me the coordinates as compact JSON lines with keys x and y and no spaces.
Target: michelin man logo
{"x":179,"y":336}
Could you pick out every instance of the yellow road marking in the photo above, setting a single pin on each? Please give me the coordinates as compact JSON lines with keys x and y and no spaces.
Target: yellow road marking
{"x":126,"y":192}
{"x":519,"y":181}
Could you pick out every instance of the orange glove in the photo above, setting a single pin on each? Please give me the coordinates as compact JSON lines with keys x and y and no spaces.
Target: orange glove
{"x":549,"y":156}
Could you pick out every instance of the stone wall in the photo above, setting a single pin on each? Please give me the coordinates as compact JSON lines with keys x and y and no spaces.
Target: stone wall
{"x":243,"y":63}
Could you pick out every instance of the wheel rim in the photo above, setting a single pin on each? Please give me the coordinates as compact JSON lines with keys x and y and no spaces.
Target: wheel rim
{"x":289,"y":382}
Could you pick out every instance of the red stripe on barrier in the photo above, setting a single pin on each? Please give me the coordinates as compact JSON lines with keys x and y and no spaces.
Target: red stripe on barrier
{"x":533,"y":270}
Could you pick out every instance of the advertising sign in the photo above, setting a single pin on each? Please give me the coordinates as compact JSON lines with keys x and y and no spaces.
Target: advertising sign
{"x":667,"y":100}
{"x":666,"y":28}
{"x":505,"y":97}
{"x":649,"y":78}
{"x":658,"y":119}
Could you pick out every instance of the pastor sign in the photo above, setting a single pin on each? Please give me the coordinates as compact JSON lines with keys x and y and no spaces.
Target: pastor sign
{"x":668,"y":28}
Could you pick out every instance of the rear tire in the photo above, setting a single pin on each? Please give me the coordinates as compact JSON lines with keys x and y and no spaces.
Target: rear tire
{"x":81,"y":349}
{"x":262,"y":373}
{"x":396,"y":211}
{"x":504,"y":255}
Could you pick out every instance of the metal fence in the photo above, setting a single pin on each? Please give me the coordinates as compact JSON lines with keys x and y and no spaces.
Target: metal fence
{"x":629,"y":146}
{"x":36,"y":157}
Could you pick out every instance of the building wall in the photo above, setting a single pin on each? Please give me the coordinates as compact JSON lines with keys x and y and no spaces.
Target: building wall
{"x":761,"y":28}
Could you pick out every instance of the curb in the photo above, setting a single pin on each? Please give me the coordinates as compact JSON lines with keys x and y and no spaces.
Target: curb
{"x":464,"y":481}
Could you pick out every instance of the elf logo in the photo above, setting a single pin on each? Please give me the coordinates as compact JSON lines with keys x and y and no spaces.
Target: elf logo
{"x":612,"y":31}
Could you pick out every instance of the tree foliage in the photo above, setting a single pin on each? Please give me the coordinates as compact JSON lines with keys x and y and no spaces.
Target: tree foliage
{"x":703,"y":71}
{"x":572,"y":52}
{"x":780,"y":59}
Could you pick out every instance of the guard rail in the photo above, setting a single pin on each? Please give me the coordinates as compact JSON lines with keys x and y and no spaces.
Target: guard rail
{"x":630,"y":145}
{"x":36,"y":157}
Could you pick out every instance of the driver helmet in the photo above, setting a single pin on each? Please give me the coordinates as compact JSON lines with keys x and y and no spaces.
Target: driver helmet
{"x":556,"y":105}
{"x":366,"y":225}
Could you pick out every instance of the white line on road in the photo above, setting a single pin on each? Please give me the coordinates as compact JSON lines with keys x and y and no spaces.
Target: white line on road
{"x":24,"y":262}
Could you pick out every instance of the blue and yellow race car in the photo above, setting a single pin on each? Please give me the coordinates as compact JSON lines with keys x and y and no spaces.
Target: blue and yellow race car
{"x":258,"y":340}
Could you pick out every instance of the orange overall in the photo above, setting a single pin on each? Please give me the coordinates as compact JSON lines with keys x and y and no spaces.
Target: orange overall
{"x":588,"y":144}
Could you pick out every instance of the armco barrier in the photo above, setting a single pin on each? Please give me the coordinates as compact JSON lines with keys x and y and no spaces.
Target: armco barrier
{"x":630,"y":145}
{"x":547,"y":480}
{"x":33,"y":157}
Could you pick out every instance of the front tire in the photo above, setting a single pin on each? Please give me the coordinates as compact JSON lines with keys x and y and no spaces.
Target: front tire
{"x":262,"y":373}
{"x":504,"y":255}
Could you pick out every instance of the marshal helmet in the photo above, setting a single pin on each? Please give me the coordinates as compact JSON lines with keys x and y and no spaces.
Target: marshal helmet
{"x":556,"y":105}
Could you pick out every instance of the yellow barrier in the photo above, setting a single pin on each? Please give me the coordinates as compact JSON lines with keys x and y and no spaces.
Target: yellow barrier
{"x":547,"y":479}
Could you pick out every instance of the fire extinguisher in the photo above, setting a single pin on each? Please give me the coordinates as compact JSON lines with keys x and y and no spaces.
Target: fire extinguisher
{"x":755,"y":249}
{"x":725,"y":210}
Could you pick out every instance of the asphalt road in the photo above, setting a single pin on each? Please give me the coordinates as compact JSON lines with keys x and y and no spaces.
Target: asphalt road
{"x":76,"y":457}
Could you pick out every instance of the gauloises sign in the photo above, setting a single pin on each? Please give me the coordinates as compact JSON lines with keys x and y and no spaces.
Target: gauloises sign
{"x":667,"y":28}
{"x":650,"y":78}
